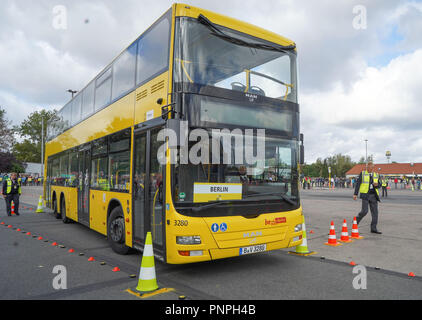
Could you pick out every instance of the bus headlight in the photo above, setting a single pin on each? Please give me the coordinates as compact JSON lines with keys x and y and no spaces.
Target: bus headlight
{"x":298,"y":228}
{"x":189,"y":240}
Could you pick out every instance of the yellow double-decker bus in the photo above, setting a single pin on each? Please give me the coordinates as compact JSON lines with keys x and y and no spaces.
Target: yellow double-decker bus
{"x":107,"y":167}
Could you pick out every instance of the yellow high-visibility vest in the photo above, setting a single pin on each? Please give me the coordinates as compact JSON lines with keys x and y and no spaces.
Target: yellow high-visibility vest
{"x":103,"y":184}
{"x":9,"y":187}
{"x":364,"y":186}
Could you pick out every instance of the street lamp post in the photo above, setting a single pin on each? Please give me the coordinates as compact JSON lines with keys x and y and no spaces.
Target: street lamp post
{"x":73,"y":92}
{"x":42,"y":147}
{"x":366,"y":152}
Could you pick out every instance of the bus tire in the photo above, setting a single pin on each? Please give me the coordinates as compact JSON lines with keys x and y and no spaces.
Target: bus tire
{"x":63,"y":211}
{"x":116,"y":232}
{"x":56,"y":213}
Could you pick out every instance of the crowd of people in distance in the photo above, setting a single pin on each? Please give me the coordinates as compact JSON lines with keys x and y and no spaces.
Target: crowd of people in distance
{"x":414,"y":183}
{"x":24,"y":179}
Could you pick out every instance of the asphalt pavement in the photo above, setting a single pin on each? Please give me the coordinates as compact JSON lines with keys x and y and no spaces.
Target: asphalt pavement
{"x":398,"y":248}
{"x":26,"y":269}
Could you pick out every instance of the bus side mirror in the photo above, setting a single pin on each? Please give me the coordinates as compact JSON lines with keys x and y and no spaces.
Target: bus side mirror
{"x":302,"y":150}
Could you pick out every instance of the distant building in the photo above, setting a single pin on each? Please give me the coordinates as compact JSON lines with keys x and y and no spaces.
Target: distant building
{"x":390,"y":170}
{"x":33,"y":169}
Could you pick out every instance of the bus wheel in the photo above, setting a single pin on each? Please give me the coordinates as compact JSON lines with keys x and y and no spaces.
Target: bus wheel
{"x":116,"y":232}
{"x":63,"y":211}
{"x":56,"y":213}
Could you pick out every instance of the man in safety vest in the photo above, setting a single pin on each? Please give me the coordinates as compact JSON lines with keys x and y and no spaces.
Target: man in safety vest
{"x":384,"y":186}
{"x":103,"y":182}
{"x":11,"y":192}
{"x":367,"y":185}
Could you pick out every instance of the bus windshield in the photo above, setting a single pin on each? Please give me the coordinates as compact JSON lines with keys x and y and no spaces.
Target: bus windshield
{"x":233,"y":60}
{"x":267,"y":179}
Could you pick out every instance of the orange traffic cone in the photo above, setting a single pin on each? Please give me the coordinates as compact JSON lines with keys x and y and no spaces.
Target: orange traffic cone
{"x":332,"y":239}
{"x":13,"y":208}
{"x":344,"y":233}
{"x":355,"y":230}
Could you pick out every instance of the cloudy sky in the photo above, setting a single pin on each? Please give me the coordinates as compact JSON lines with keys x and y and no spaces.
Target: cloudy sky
{"x":359,"y":79}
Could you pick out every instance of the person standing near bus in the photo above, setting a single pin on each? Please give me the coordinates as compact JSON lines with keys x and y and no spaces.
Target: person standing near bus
{"x":11,"y":192}
{"x":367,"y":185}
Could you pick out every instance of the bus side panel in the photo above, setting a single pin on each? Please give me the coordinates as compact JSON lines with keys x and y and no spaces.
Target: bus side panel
{"x":72,"y":204}
{"x":146,"y":107}
{"x":126,"y":200}
{"x":114,"y":118}
{"x":98,"y":204}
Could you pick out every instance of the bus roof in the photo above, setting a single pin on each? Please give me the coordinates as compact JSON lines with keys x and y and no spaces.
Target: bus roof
{"x":184,"y":10}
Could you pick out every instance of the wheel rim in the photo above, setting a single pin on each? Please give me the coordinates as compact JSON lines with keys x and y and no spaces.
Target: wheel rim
{"x":117,"y":230}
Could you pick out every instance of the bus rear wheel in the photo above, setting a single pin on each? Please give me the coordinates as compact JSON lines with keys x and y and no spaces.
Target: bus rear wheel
{"x":116,"y":232}
{"x":63,"y":211}
{"x":56,"y":213}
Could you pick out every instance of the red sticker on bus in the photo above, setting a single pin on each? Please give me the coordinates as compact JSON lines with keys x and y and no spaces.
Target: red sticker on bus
{"x":275,"y":221}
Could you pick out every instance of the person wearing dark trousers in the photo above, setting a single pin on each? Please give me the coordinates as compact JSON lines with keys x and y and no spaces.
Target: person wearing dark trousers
{"x":384,"y":187}
{"x":367,"y":185}
{"x":11,"y":192}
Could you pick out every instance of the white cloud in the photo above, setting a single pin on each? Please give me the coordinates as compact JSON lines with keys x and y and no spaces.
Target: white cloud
{"x":339,"y":92}
{"x":383,"y":107}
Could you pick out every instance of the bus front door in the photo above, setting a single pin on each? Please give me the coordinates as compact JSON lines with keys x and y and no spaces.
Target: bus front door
{"x":83,"y":188}
{"x":148,"y":189}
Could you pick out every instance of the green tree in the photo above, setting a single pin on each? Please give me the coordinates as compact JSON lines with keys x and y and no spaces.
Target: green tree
{"x":339,"y":164}
{"x":29,"y":150}
{"x":7,"y":138}
{"x":8,"y":163}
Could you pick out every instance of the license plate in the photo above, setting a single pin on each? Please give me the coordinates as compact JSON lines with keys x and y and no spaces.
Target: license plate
{"x":253,"y":249}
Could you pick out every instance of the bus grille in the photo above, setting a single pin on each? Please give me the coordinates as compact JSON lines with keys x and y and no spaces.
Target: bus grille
{"x":141,"y":95}
{"x":157,"y":87}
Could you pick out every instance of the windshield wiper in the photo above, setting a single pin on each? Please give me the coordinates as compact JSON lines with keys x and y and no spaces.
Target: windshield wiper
{"x":282,"y":195}
{"x":217,"y":32}
{"x":215,"y":204}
